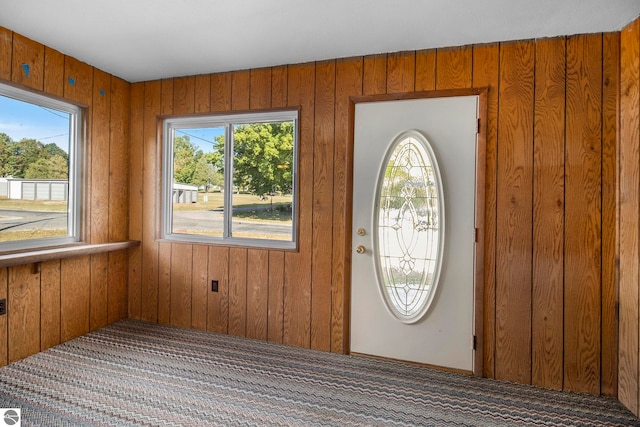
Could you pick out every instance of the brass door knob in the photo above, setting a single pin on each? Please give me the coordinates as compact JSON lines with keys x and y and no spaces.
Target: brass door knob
{"x":360,"y":249}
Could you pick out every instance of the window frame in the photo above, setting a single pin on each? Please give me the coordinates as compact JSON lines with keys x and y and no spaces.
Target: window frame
{"x":226,"y":121}
{"x":75,"y":169}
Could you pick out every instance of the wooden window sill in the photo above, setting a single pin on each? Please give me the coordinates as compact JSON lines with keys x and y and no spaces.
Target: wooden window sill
{"x":80,"y":249}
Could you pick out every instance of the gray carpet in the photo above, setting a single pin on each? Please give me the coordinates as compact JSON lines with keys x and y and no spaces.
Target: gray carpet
{"x":134,"y":373}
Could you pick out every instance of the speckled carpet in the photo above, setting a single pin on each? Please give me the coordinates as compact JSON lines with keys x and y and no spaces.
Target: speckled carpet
{"x":133,"y":373}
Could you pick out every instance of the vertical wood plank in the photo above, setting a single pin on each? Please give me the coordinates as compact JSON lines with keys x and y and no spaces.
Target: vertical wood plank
{"x":6,"y":51}
{"x":74,"y":296}
{"x":99,"y":180}
{"x":23,"y":311}
{"x":136,"y":195}
{"x":279,"y":86}
{"x":426,"y":69}
{"x":199,"y":287}
{"x":238,"y":292}
{"x":218,"y":302}
{"x":485,"y":74}
{"x":275,"y":322}
{"x":629,"y":228}
{"x":78,"y":81}
{"x":297,"y":286}
{"x":53,"y":72}
{"x":401,"y":72}
{"x":548,"y":214}
{"x":4,"y":333}
{"x":203,"y":94}
{"x":118,"y":159}
{"x":583,"y":214}
{"x":610,"y":111}
{"x":349,"y":74}
{"x":257,"y":293}
{"x":117,"y":291}
{"x":514,"y":207}
{"x":453,"y":68}
{"x":163,"y":302}
{"x":184,"y":95}
{"x":99,"y":288}
{"x":240,"y":89}
{"x":375,"y":74}
{"x":260,"y":84}
{"x":28,"y":62}
{"x":220,"y":92}
{"x":153,"y":99}
{"x":181,"y":273}
{"x":322,"y":254}
{"x":49,"y":304}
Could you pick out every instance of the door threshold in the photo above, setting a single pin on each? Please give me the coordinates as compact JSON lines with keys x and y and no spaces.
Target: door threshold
{"x":422,"y":365}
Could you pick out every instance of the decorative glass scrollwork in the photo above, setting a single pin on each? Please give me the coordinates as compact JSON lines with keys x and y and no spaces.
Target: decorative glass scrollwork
{"x":410,"y":225}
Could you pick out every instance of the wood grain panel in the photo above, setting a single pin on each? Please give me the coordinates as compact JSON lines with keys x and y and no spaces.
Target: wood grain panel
{"x":78,"y":81}
{"x":23,"y":312}
{"x":99,"y":289}
{"x":453,"y":68}
{"x":74,"y":296}
{"x":297,"y":285}
{"x":401,"y":72}
{"x":260,"y":84}
{"x":375,"y":75}
{"x":53,"y":72}
{"x":349,"y":75}
{"x":322,"y":254}
{"x":426,"y":70}
{"x":184,"y":95}
{"x":548,"y":214}
{"x":99,"y":185}
{"x":28,"y":62}
{"x":583,"y":214}
{"x":629,"y":207}
{"x":119,"y":160}
{"x":166,"y":100}
{"x":6,"y":51}
{"x":49,"y":304}
{"x":136,"y":195}
{"x":220,"y":92}
{"x":181,"y":273}
{"x":240,"y":90}
{"x":514,"y":218}
{"x":152,"y":107}
{"x":485,"y":74}
{"x":117,"y":291}
{"x":275,"y":321}
{"x":4,"y":333}
{"x":279,"y":86}
{"x":199,"y":287}
{"x":163,"y":303}
{"x":203,"y":94}
{"x":257,"y":293}
{"x":238,"y":292}
{"x":218,"y":302}
{"x":610,"y":111}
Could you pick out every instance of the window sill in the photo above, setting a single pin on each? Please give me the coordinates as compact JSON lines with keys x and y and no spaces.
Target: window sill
{"x":81,"y":249}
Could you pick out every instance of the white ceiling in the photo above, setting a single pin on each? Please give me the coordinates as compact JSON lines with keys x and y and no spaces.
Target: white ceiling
{"x":150,"y":39}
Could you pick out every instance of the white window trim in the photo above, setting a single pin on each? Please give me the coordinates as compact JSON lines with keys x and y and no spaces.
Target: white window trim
{"x":74,"y":203}
{"x":227,"y":121}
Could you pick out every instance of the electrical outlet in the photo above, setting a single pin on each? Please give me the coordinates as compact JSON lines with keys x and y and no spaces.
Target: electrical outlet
{"x":3,"y":306}
{"x":214,"y":286}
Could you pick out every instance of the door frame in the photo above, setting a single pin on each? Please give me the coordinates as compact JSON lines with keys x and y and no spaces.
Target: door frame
{"x":479,"y":214}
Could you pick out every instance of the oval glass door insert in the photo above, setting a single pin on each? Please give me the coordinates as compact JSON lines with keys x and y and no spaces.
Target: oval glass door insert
{"x":410,"y":227}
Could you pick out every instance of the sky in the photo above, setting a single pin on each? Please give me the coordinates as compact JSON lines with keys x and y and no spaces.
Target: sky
{"x":23,"y":120}
{"x":204,"y":138}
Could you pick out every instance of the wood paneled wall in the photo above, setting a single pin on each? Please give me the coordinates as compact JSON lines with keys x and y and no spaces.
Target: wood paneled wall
{"x":69,"y":297}
{"x":629,"y":217}
{"x":550,"y":226}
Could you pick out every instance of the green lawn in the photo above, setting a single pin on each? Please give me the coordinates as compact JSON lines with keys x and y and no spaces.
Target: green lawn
{"x":33,"y":205}
{"x":247,"y":206}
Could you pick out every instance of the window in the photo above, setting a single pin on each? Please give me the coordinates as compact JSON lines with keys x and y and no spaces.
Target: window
{"x":231,"y":179}
{"x":39,"y":170}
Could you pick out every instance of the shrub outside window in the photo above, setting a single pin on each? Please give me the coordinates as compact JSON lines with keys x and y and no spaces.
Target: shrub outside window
{"x":231,"y":179}
{"x":40,"y":169}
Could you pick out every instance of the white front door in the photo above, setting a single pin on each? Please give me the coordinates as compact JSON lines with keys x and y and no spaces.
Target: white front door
{"x":419,"y":231}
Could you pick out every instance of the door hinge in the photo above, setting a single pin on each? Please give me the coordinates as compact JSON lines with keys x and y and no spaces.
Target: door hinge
{"x":475,"y":234}
{"x":475,"y":342}
{"x":478,"y":130}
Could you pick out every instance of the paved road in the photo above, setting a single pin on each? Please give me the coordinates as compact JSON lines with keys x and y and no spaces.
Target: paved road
{"x":14,"y":220}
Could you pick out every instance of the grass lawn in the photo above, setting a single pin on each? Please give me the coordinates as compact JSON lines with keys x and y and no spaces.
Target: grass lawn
{"x":247,"y":206}
{"x":33,"y":205}
{"x":10,"y":236}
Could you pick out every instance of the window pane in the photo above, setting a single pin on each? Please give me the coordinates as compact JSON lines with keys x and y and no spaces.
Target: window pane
{"x":35,"y":142}
{"x":263,"y":180}
{"x":198,"y":181}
